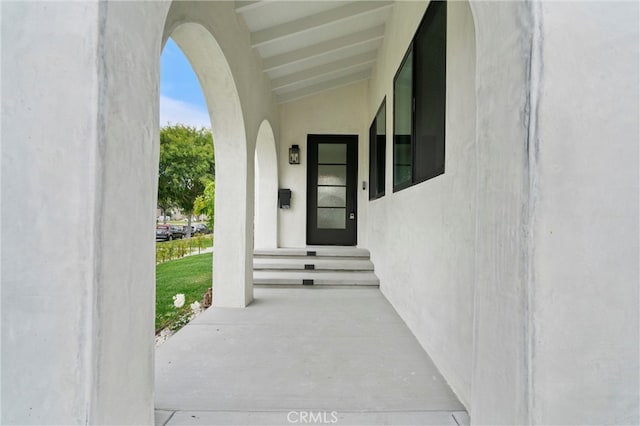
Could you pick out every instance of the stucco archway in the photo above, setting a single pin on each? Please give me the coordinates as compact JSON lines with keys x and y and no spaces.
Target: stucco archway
{"x":266,"y":187}
{"x":504,"y":151}
{"x":232,"y":287}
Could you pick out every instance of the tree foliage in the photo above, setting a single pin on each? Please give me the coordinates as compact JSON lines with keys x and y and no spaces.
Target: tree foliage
{"x":187,"y":164}
{"x":205,"y":203}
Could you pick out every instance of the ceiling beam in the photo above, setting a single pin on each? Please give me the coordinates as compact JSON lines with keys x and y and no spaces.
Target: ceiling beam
{"x":278,"y":61}
{"x":325,"y":69}
{"x":322,"y":87}
{"x":322,"y":19}
{"x":243,"y":6}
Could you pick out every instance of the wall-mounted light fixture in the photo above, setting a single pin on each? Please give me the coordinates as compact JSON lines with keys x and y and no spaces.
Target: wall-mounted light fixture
{"x":294,"y":154}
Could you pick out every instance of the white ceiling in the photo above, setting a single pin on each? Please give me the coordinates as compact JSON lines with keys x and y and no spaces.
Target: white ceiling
{"x":309,"y":46}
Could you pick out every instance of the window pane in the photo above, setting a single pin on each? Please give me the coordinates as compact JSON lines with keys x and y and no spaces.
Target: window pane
{"x":332,"y":153}
{"x":377,"y":153}
{"x":332,"y":196}
{"x":402,"y":119}
{"x":372,"y":161}
{"x":381,"y":145}
{"x":402,"y":152}
{"x":380,"y":157}
{"x":332,"y":218}
{"x":381,"y":120}
{"x":430,"y":50}
{"x":332,"y":175}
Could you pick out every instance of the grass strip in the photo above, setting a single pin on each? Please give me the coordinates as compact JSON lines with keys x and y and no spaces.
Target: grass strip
{"x":190,"y":276}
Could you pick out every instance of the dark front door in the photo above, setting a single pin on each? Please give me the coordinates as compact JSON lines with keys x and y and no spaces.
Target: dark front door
{"x":332,"y":181}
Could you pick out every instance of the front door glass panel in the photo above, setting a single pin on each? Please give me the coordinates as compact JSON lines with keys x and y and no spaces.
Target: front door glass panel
{"x":332,"y":185}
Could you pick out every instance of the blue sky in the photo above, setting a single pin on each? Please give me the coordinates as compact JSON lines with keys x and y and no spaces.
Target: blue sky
{"x":181,"y":98}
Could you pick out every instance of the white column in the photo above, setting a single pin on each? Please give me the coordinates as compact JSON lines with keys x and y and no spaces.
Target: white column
{"x":233,"y":225}
{"x":126,"y":193}
{"x":501,"y":355}
{"x":79,"y":165}
{"x":49,"y":148}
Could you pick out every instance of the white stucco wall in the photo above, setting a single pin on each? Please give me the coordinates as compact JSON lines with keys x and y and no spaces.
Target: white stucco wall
{"x":47,"y":277}
{"x":538,"y":323}
{"x":125,"y":180}
{"x":339,"y":111}
{"x":266,"y":189}
{"x":80,"y":147}
{"x":586,"y":301}
{"x":500,"y":391}
{"x":78,"y":276}
{"x":422,"y":238}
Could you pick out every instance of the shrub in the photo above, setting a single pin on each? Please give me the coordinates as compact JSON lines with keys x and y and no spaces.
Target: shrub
{"x":169,"y":250}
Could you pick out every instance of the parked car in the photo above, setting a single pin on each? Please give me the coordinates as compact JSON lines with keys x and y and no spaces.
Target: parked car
{"x":197,"y":228}
{"x":177,"y":232}
{"x":168,"y":232}
{"x":201,"y":228}
{"x":163,"y":233}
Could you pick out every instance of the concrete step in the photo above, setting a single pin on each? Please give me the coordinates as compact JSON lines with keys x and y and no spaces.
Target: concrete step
{"x":321,"y":251}
{"x":308,"y":262}
{"x":319,"y":277}
{"x":331,"y":266}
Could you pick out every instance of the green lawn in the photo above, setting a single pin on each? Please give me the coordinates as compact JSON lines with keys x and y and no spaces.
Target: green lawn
{"x":191,"y":276}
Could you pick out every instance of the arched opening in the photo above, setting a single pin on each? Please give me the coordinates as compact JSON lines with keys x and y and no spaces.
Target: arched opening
{"x":266,"y":187}
{"x":232,"y":283}
{"x":186,"y":191}
{"x":231,"y":287}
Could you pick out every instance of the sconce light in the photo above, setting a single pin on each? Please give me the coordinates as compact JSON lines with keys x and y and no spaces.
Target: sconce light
{"x":294,"y":154}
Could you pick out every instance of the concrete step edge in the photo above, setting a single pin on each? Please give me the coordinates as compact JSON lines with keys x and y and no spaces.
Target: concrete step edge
{"x":314,"y":271}
{"x":318,"y":270}
{"x":301,"y":258}
{"x":332,"y":284}
{"x":317,"y":265}
{"x":317,"y":281}
{"x":320,"y":252}
{"x":318,"y":277}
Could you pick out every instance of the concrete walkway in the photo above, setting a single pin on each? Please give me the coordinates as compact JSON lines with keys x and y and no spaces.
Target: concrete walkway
{"x":301,"y":356}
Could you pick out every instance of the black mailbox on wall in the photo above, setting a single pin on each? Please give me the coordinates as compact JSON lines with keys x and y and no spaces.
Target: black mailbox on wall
{"x":284,"y":198}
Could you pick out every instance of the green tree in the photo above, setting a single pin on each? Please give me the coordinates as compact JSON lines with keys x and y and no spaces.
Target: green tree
{"x":164,"y":190}
{"x":187,"y":164}
{"x":205,"y":203}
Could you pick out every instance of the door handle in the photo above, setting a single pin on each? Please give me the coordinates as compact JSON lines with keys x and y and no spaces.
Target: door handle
{"x":352,"y":216}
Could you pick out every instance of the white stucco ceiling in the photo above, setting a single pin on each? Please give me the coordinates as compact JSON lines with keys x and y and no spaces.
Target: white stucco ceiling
{"x":309,"y":46}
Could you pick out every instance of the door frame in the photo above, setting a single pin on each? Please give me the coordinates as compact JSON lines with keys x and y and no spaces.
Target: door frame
{"x":349,"y":236}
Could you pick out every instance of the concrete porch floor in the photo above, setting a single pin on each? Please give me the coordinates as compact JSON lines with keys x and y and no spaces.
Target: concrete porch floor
{"x":338,"y":354}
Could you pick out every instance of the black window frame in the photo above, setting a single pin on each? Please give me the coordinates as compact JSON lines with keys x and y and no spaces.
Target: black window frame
{"x":377,"y":164}
{"x":411,"y":50}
